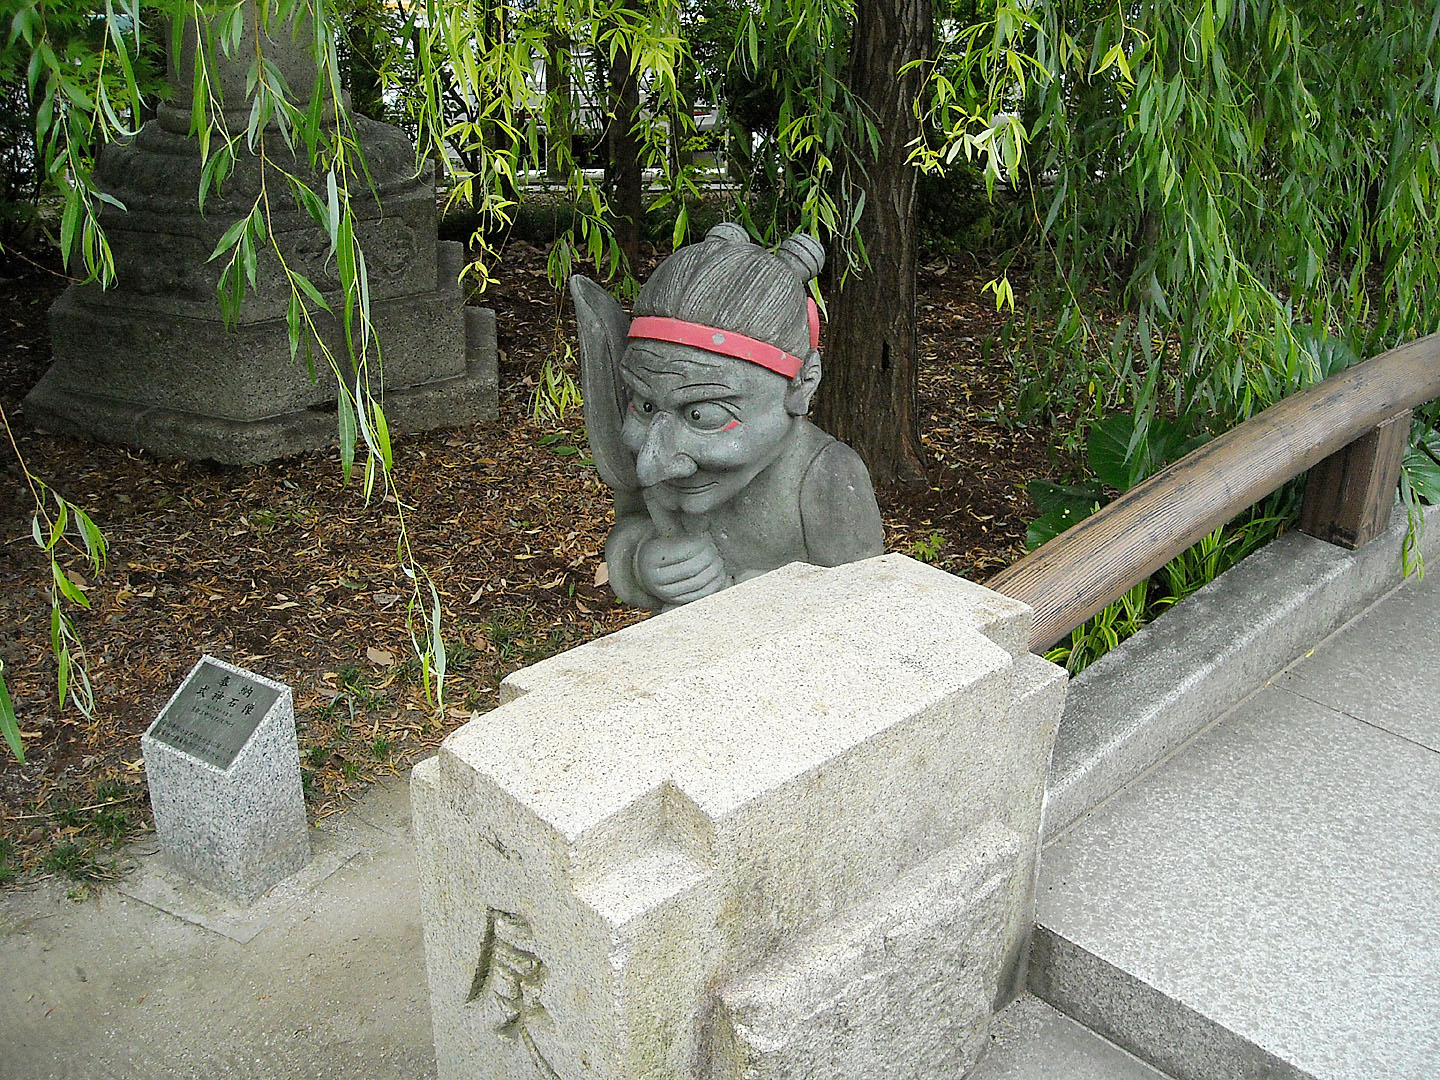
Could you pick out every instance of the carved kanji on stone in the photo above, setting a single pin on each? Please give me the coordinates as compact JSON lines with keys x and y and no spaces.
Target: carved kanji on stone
{"x":511,"y":973}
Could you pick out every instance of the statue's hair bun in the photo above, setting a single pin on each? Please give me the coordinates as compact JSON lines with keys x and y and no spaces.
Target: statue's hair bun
{"x":805,"y":255}
{"x":728,"y":232}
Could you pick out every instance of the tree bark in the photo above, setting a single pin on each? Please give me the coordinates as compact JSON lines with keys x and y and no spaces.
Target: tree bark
{"x":871,"y":363}
{"x":365,"y":34}
{"x":626,"y":199}
{"x":560,"y":130}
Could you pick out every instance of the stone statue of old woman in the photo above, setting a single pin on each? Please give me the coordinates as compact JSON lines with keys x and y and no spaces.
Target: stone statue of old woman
{"x":696,"y":409}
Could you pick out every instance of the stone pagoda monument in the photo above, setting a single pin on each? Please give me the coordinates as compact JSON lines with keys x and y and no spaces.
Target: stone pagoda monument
{"x":150,"y":363}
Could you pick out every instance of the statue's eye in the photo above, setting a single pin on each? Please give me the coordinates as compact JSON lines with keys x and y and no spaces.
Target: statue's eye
{"x":709,"y":416}
{"x":642,"y":406}
{"x":648,"y":406}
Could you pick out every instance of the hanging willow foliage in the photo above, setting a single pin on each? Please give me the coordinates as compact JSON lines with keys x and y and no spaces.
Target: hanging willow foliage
{"x":1224,"y":185}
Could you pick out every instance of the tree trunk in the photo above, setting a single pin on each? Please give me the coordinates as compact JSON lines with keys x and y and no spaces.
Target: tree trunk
{"x":560,"y":130}
{"x":626,"y":200}
{"x":871,"y":363}
{"x":366,"y":35}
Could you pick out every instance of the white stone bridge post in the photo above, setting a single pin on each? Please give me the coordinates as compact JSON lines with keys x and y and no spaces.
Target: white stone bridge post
{"x":787,"y":831}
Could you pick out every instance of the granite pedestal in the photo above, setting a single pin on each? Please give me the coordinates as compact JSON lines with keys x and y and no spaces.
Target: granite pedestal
{"x":223,"y":767}
{"x":787,"y":830}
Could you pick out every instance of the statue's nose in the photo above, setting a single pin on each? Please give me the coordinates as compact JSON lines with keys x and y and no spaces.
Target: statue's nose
{"x":660,"y":459}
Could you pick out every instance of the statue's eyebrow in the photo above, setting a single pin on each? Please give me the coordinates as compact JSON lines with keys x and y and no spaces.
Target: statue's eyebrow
{"x":643,"y":371}
{"x":650,"y":362}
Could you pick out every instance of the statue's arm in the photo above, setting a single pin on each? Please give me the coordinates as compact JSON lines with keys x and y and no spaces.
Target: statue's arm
{"x":632,"y":528}
{"x":838,"y":511}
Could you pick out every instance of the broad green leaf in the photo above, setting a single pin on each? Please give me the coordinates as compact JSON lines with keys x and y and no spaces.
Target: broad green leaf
{"x":382,"y":436}
{"x":1423,"y":474}
{"x":364,"y":279}
{"x":68,"y":220}
{"x":255,"y":123}
{"x":309,"y":290}
{"x":292,"y":324}
{"x":96,"y":549}
{"x":1107,"y":450}
{"x":229,"y":238}
{"x":207,"y":180}
{"x":1048,"y":526}
{"x":362,"y":420}
{"x":682,"y":223}
{"x":368,"y":484}
{"x":62,"y":675}
{"x":312,"y":206}
{"x":67,"y":587}
{"x":1080,"y":498}
{"x":60,"y":524}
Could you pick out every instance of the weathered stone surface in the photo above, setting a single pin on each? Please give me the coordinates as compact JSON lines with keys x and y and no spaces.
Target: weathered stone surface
{"x":799,"y":818}
{"x":236,"y":398}
{"x":1263,"y":903}
{"x":182,"y":388}
{"x":844,"y":1000}
{"x":162,"y":242}
{"x":149,"y":362}
{"x":1032,"y":1041}
{"x":226,"y":795}
{"x":1354,"y":671}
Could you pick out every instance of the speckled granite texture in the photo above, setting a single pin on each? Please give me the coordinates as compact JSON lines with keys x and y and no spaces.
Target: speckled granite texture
{"x":237,"y":828}
{"x":788,"y":830}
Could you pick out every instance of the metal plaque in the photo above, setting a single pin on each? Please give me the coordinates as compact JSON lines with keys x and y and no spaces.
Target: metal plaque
{"x":214,"y":713}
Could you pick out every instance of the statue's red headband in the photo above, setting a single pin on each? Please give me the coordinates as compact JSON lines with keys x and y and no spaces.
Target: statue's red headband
{"x":726,"y":342}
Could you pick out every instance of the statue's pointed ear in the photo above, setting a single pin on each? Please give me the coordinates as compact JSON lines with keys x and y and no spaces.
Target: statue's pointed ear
{"x":603,"y":329}
{"x":803,"y":386}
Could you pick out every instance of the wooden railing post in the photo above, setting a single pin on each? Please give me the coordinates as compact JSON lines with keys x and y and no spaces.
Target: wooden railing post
{"x":1349,"y":495}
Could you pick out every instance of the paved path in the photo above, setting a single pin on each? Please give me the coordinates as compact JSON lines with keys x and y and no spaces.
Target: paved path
{"x":329,"y":984}
{"x":1269,"y":896}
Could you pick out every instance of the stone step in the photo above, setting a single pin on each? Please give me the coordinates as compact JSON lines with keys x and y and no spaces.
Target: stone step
{"x":1032,"y":1041}
{"x":1139,"y":702}
{"x":1264,"y":902}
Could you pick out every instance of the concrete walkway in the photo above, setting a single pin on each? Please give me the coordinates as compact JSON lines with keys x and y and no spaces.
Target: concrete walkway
{"x":1266,"y":901}
{"x":322,"y":978}
{"x":1267,"y":898}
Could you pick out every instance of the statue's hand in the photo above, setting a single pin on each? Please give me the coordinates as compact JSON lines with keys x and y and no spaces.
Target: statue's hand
{"x":679,"y":569}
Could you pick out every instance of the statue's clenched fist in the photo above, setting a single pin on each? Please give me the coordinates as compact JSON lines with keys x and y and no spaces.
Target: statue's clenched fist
{"x":677,"y":570}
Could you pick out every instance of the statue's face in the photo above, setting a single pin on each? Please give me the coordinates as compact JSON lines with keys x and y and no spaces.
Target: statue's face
{"x":701,"y":426}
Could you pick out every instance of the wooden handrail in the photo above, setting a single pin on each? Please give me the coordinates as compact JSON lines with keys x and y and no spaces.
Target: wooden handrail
{"x":1099,"y":559}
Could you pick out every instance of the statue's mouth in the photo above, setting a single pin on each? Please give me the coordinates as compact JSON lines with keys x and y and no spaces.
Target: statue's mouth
{"x":691,"y":487}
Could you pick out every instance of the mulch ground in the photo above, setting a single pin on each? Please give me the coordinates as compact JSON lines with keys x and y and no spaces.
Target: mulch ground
{"x":283,"y":569}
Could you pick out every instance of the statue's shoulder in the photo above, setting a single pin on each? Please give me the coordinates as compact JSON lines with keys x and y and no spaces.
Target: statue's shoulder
{"x":828,"y":459}
{"x":838,"y":511}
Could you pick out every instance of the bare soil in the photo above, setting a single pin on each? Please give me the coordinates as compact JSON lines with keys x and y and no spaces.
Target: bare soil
{"x":283,"y":569}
